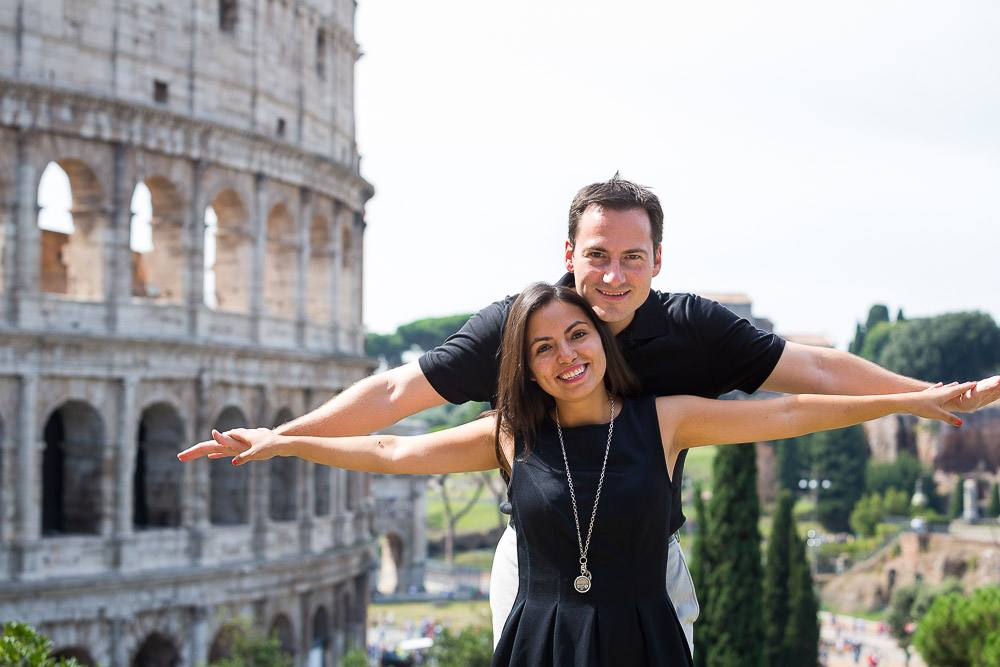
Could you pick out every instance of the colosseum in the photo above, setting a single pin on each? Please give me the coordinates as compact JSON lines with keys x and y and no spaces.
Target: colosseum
{"x":234,"y":300}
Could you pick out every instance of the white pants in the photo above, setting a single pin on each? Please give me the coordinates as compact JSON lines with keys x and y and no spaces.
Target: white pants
{"x":503,"y":585}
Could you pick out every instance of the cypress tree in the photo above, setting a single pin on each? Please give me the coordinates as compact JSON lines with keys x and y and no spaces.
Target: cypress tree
{"x":859,"y":340}
{"x":735,"y":605}
{"x":957,"y":500}
{"x":700,"y":566}
{"x":877,"y":314}
{"x":800,"y":645}
{"x":993,"y":509}
{"x":840,"y":457}
{"x":776,"y":582}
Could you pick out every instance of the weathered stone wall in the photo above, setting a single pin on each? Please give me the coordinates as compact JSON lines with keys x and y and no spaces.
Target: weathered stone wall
{"x":112,"y":360}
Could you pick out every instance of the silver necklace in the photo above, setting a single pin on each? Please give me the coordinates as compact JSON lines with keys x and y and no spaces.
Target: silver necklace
{"x":582,"y":583}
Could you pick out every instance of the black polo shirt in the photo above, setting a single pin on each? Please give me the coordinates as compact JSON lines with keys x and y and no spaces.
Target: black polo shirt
{"x":675,"y":344}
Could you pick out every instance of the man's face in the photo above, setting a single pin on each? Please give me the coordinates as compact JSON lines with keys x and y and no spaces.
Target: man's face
{"x":613,"y":262}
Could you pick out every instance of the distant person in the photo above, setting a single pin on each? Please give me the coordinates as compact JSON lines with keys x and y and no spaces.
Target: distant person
{"x":675,"y":343}
{"x":582,"y":454}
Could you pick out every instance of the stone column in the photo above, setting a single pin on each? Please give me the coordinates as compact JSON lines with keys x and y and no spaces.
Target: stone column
{"x":27,"y":526}
{"x":336,"y":273}
{"x":123,"y":452}
{"x":24,"y":288}
{"x":194,"y":251}
{"x":117,"y":249}
{"x":971,"y":498}
{"x":357,"y":264}
{"x":258,"y":232}
{"x":303,"y":229}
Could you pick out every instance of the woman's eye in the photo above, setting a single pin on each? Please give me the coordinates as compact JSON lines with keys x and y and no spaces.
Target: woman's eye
{"x":542,"y":348}
{"x":579,"y":333}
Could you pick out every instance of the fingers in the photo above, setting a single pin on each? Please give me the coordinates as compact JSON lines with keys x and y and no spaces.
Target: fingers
{"x":206,"y":448}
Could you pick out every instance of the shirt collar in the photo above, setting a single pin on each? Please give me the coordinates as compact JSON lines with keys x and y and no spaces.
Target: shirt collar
{"x":648,"y":321}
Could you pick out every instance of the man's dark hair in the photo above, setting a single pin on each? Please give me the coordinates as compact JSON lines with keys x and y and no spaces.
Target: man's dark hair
{"x":617,"y":194}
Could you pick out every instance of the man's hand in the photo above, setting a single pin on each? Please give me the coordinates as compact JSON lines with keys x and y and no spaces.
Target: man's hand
{"x":981,"y":394}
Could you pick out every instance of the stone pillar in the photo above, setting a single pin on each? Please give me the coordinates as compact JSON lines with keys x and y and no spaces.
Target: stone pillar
{"x":303,"y":229}
{"x":970,"y":511}
{"x":24,"y":288}
{"x":194,"y":251}
{"x":117,"y":249}
{"x":260,"y":485}
{"x":258,"y":232}
{"x":123,"y":453}
{"x":336,"y":261}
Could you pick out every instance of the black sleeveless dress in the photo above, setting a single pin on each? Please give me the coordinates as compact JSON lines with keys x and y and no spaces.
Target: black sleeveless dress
{"x":626,"y":618}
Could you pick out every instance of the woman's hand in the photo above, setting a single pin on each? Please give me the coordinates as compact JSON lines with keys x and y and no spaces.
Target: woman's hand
{"x":931,"y":402}
{"x":243,"y":444}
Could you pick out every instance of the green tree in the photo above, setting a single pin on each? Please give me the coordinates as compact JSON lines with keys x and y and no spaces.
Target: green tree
{"x":956,"y":346}
{"x":957,"y":500}
{"x":840,"y":457}
{"x":800,"y":645}
{"x":867,"y":513}
{"x":934,"y":499}
{"x":910,"y":603}
{"x":252,"y":648}
{"x":896,"y":503}
{"x":993,"y":508}
{"x":735,"y":606}
{"x":421,"y":335}
{"x":876,"y":340}
{"x":793,"y":461}
{"x":470,"y":647}
{"x":956,"y":628}
{"x":901,"y":474}
{"x":700,"y":566}
{"x":877,"y":314}
{"x":899,"y":316}
{"x":23,"y":646}
{"x":776,"y":577}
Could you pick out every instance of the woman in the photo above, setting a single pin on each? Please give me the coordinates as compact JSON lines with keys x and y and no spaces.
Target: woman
{"x":590,"y":470}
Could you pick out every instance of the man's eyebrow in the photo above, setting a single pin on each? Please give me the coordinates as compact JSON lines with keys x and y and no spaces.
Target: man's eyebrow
{"x":568,"y":329}
{"x":630,"y":251}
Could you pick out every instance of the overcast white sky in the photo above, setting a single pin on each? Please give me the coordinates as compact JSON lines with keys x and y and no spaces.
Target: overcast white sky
{"x":819,"y":157}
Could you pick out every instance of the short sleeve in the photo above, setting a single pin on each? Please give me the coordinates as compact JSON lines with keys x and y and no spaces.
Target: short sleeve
{"x":741,"y":355}
{"x":465,"y":367}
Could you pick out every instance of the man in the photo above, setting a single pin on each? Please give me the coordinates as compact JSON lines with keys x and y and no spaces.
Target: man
{"x":676,"y":343}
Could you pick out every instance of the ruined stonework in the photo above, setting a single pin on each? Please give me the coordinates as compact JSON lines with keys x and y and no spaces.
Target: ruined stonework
{"x":113,"y":359}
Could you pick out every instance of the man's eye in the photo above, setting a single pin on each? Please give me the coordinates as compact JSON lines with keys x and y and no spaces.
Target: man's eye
{"x":595,"y":255}
{"x":633,"y":257}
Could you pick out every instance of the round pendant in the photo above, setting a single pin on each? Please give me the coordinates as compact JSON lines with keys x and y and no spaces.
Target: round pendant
{"x":582,"y":584}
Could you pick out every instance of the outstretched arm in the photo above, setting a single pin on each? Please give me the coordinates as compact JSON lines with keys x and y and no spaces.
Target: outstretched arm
{"x":465,"y":448}
{"x":688,"y":421}
{"x":806,"y":369}
{"x":370,"y":405}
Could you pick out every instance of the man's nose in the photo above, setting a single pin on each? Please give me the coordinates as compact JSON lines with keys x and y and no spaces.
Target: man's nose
{"x":614,"y":274}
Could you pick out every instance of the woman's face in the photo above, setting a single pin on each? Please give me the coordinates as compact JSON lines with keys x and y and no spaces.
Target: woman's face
{"x":564,"y":352}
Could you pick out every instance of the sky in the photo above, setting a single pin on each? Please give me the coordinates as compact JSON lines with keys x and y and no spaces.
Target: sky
{"x":817,"y":157}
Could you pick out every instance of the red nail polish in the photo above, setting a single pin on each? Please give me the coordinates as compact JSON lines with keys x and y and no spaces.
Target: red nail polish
{"x":959,"y":422}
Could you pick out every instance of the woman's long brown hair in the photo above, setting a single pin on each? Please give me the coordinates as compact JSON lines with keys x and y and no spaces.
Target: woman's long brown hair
{"x":521,"y":404}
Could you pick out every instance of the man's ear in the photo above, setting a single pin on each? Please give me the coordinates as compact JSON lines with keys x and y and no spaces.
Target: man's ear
{"x":657,"y":260}
{"x":569,"y":256}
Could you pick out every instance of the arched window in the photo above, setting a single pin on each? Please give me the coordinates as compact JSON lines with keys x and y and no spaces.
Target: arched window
{"x":72,"y":466}
{"x":158,"y":474}
{"x":229,"y":495}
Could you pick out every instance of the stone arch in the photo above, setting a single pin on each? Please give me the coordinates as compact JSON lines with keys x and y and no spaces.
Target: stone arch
{"x":156,"y":651}
{"x":229,"y":494}
{"x":157,"y":242}
{"x":319,"y":646}
{"x":283,"y":473}
{"x":281,"y":261}
{"x":81,"y":655}
{"x":281,"y":629}
{"x":229,"y":244}
{"x":157,"y":480}
{"x":222,"y":643}
{"x":320,"y":270}
{"x":72,"y":465}
{"x":72,"y":257}
{"x":392,"y":548}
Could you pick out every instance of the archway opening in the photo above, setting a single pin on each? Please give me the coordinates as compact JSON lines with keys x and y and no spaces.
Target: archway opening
{"x":229,"y":495}
{"x":345,"y":281}
{"x":321,"y":489}
{"x":281,"y":629}
{"x":72,"y":468}
{"x":222,"y":644}
{"x":281,"y":263}
{"x":157,"y":241}
{"x":158,"y":476}
{"x":228,"y":245}
{"x":81,"y":655}
{"x":72,"y":225}
{"x":391,"y":564}
{"x":156,"y":651}
{"x":320,"y":639}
